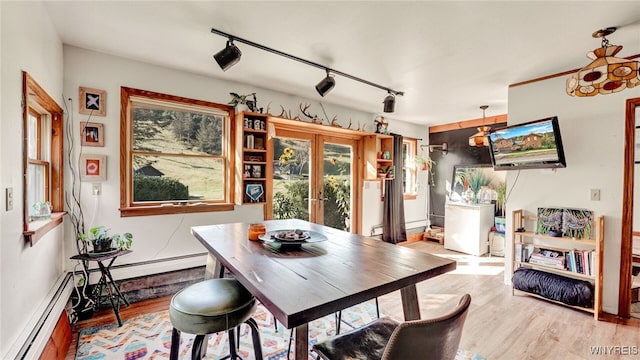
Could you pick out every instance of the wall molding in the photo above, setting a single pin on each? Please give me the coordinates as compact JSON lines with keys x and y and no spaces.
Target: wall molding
{"x":465,"y":124}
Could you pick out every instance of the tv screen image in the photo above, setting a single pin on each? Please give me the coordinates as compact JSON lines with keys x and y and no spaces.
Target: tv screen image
{"x":532,"y":145}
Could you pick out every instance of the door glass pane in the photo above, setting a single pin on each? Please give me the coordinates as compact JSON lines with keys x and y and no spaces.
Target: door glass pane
{"x":337,"y":180}
{"x":291,"y":178}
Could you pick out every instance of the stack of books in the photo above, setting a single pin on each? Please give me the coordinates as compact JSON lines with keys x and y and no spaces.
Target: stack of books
{"x":550,"y":258}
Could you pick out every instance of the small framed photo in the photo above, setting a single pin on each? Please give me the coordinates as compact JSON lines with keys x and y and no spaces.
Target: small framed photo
{"x":93,"y":101}
{"x":93,"y":167}
{"x":91,"y":134}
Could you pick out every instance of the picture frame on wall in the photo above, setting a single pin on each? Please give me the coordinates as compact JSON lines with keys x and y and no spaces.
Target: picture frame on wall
{"x":91,"y":134}
{"x":93,"y":101}
{"x":93,"y":167}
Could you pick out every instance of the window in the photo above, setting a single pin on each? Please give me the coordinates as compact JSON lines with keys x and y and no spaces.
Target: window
{"x":409,"y":151}
{"x":178,"y":154}
{"x":42,"y":161}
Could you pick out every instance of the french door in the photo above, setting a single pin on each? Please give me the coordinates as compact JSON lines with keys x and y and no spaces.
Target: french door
{"x":313,"y":177}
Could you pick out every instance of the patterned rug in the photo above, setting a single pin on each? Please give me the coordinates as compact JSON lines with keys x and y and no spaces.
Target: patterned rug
{"x":149,"y":337}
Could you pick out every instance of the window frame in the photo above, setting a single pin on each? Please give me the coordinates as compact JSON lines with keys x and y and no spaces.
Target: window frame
{"x":409,"y":168}
{"x":127,"y":206}
{"x":36,"y":100}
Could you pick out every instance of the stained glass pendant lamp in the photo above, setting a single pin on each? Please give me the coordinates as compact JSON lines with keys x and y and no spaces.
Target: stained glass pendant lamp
{"x":481,"y":138}
{"x":606,"y":74}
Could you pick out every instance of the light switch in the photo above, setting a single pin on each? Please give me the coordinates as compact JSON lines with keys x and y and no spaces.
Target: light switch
{"x":595,"y":194}
{"x":9,"y":199}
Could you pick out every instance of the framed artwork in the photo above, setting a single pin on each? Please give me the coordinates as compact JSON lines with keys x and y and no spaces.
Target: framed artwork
{"x":93,"y":167}
{"x":93,"y":101}
{"x":91,"y":134}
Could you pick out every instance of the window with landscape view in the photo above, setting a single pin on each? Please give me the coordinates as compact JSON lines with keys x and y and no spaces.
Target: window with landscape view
{"x":178,"y":154}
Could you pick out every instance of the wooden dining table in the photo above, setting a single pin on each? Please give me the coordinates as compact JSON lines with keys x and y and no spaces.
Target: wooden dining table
{"x":331,"y":271}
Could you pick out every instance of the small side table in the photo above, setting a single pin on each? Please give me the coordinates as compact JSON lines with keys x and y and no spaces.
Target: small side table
{"x":106,"y":280}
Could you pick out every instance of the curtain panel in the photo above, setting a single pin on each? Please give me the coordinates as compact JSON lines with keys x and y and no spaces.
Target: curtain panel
{"x":393,"y":230}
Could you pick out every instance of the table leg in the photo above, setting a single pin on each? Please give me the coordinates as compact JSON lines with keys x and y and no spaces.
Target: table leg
{"x":302,"y":342}
{"x":214,"y":268}
{"x":410,"y":305}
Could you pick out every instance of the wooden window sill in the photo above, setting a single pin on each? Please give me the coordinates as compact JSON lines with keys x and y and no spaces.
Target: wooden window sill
{"x":410,"y":196}
{"x":173,"y":209}
{"x":37,"y":229}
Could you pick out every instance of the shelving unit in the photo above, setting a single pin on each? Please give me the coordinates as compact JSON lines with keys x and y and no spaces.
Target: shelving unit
{"x":253,"y":170}
{"x":375,"y":146}
{"x":562,"y":244}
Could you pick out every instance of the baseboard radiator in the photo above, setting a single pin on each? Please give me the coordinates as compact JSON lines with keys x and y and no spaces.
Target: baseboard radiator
{"x":412,"y":227}
{"x":133,"y":279}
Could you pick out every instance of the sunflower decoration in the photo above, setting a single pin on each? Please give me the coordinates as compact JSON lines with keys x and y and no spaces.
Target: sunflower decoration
{"x":332,"y":180}
{"x":286,"y":156}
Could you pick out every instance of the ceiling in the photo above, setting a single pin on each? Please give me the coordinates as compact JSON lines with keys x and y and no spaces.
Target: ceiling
{"x":449,"y":57}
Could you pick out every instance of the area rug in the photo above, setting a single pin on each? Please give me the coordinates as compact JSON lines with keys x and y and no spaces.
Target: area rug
{"x":149,"y":337}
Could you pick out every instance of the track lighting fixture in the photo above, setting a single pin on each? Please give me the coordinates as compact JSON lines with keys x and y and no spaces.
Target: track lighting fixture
{"x":230,"y":55}
{"x":325,"y":85}
{"x":389,"y":103}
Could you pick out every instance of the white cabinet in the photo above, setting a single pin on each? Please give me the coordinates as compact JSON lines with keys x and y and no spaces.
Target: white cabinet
{"x":466,"y":227}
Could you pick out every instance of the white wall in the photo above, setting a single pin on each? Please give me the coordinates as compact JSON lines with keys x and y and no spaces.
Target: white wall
{"x":593,"y":136}
{"x":160,"y":237}
{"x":28,"y":42}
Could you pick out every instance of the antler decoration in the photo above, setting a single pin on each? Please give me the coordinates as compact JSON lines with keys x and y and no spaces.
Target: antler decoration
{"x":287,"y":114}
{"x":314,"y":118}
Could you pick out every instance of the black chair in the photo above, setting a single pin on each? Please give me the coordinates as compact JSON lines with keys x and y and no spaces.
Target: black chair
{"x":209,"y":307}
{"x":385,"y":339}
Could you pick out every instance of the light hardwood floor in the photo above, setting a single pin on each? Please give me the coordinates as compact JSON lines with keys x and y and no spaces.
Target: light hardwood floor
{"x":498,"y":326}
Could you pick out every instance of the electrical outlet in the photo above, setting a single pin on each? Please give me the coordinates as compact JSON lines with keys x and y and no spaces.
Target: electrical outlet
{"x":595,"y":194}
{"x":9,"y":199}
{"x":96,"y":189}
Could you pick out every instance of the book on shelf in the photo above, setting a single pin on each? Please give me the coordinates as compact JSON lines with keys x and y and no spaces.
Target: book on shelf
{"x":523,"y":251}
{"x":581,"y":261}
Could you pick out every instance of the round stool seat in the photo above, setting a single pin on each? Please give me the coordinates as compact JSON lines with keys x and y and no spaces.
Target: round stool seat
{"x":211,"y":306}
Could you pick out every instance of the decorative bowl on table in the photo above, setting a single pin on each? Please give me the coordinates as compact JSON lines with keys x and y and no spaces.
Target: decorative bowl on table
{"x":291,"y":238}
{"x":291,"y":235}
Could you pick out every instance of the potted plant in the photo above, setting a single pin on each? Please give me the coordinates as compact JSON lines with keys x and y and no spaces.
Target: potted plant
{"x":501,"y":202}
{"x":423,"y":163}
{"x":102,"y":241}
{"x":477,"y":179}
{"x":242,"y":102}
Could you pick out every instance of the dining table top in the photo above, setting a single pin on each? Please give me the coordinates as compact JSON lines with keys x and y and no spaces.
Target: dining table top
{"x":334,"y":270}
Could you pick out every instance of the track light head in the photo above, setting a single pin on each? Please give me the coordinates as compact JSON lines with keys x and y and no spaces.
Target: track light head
{"x":389,"y":103}
{"x":325,"y":85}
{"x":228,"y":56}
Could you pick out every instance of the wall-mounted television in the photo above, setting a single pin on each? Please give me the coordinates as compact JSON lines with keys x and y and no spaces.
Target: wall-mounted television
{"x":532,"y":145}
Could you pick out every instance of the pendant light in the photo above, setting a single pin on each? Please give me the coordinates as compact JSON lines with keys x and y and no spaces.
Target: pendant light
{"x":481,"y":138}
{"x":606,"y":74}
